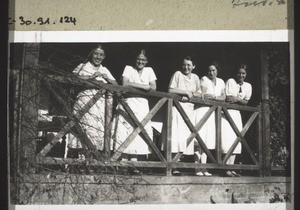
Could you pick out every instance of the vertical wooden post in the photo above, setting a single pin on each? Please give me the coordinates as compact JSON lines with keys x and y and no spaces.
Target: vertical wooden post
{"x":15,"y":90}
{"x":29,"y":105}
{"x":107,"y":128}
{"x":169,"y":140}
{"x":265,"y":113}
{"x":259,"y":141}
{"x":218,"y":134}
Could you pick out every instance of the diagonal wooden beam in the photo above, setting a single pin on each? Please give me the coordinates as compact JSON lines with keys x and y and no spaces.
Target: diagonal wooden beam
{"x":193,"y":134}
{"x":140,"y":128}
{"x":83,"y":136}
{"x":243,"y":132}
{"x":240,"y":136}
{"x":192,"y":129}
{"x":79,"y":134}
{"x":200,"y":124}
{"x":70,"y":124}
{"x":56,"y":139}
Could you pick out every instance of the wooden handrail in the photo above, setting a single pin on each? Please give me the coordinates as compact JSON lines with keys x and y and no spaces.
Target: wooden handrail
{"x":71,"y":79}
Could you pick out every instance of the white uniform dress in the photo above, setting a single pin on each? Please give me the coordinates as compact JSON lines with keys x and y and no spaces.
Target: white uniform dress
{"x":140,"y":107}
{"x":228,"y":135}
{"x":93,"y":121}
{"x":180,"y":131}
{"x":208,"y":130}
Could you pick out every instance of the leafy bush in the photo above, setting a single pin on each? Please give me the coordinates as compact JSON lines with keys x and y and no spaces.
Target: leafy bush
{"x":279,"y":87}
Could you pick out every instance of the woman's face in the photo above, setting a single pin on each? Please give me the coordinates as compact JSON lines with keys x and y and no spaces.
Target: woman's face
{"x":98,"y":56}
{"x":212,"y":72}
{"x":187,"y":67}
{"x":141,"y":61}
{"x":241,"y":75}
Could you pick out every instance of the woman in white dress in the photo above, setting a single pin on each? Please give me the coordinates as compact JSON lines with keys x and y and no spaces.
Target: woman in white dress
{"x":93,"y":121}
{"x":213,"y":88}
{"x":237,"y":91}
{"x":186,"y":84}
{"x":143,"y":78}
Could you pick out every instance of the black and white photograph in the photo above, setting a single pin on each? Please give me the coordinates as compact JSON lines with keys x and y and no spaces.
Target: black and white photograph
{"x":150,"y":122}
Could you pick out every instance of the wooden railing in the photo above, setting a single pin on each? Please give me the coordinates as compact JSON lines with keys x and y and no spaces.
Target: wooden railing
{"x":164,"y":159}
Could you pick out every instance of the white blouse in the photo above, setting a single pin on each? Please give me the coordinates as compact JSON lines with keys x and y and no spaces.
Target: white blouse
{"x":87,"y":69}
{"x":182,"y":82}
{"x":144,"y":78}
{"x":215,"y":90}
{"x":243,"y":91}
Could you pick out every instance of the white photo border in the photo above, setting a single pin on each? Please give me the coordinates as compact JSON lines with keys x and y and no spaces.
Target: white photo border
{"x":152,"y":36}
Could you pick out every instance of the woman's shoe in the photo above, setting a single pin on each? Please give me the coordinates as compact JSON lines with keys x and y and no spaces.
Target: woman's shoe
{"x":235,"y":174}
{"x":229,"y":174}
{"x":206,"y":173}
{"x":176,"y":173}
{"x":200,"y":173}
{"x":135,"y":172}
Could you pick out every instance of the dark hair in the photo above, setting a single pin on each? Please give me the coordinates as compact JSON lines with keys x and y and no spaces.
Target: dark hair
{"x":96,"y":46}
{"x":243,"y":66}
{"x":189,"y":58}
{"x":215,"y":64}
{"x":142,"y":52}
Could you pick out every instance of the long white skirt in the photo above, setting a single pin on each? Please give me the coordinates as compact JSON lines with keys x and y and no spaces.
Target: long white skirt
{"x":123,"y":127}
{"x":208,"y":130}
{"x":228,"y":134}
{"x":92,"y":122}
{"x":180,"y":131}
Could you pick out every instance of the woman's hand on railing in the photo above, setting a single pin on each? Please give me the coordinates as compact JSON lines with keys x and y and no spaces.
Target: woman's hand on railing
{"x":197,"y":95}
{"x":208,"y":96}
{"x":109,"y":80}
{"x":189,"y":94}
{"x":230,"y":99}
{"x":102,"y":75}
{"x":97,"y":74}
{"x":185,"y":99}
{"x":236,"y":100}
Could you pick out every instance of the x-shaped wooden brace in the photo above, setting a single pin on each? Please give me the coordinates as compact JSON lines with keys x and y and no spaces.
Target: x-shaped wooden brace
{"x":240,"y":135}
{"x":139,"y":129}
{"x":74,"y":122}
{"x":195,"y":130}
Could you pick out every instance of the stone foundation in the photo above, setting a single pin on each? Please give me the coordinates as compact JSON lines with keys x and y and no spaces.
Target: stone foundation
{"x":109,"y":189}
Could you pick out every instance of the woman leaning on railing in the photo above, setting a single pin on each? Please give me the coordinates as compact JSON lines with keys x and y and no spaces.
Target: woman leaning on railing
{"x":237,"y":92}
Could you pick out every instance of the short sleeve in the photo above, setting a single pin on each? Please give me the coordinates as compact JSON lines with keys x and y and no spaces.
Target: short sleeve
{"x":127,"y":71}
{"x":248,"y":91}
{"x":204,"y":82}
{"x":107,"y":72}
{"x":230,"y":87}
{"x":222,"y":84}
{"x":197,"y":83}
{"x":78,"y":69}
{"x":174,"y":82}
{"x":152,"y":75}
